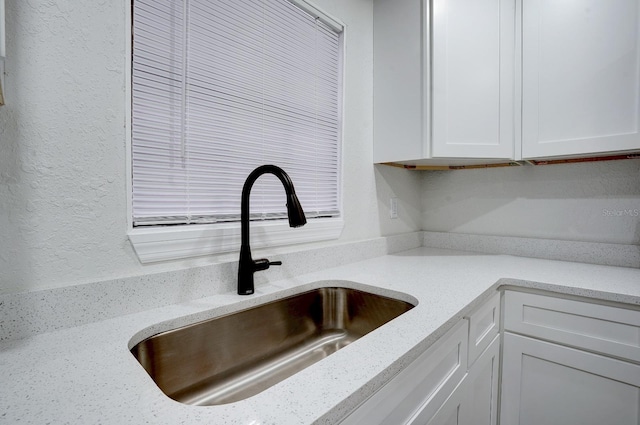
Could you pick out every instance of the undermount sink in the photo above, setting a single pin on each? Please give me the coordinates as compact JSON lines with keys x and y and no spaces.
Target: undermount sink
{"x":233,"y":357}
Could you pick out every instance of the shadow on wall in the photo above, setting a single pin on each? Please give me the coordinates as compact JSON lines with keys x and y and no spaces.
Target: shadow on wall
{"x":594,"y":202}
{"x":405,"y":187}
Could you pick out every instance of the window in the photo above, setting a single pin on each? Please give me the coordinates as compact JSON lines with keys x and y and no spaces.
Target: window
{"x":219,"y":88}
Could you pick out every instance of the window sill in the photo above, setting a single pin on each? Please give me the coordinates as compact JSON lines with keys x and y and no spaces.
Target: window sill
{"x":177,"y":242}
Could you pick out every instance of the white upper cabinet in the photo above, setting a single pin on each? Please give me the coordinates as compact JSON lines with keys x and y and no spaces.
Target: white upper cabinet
{"x":473,"y":78}
{"x":399,"y":80}
{"x":443,"y":79}
{"x":581,"y":69}
{"x":479,"y":81}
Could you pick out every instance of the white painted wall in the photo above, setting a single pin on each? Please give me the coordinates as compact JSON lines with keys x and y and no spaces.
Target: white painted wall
{"x":62,"y":145}
{"x":592,"y":202}
{"x":62,"y":160}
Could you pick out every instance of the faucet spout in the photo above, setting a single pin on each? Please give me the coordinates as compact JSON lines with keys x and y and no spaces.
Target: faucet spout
{"x":247,"y":266}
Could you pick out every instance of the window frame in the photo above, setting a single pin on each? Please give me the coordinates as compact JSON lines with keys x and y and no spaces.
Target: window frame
{"x":163,"y":243}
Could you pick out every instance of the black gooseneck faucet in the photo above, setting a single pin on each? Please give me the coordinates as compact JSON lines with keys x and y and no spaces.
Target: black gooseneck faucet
{"x":248,"y":266}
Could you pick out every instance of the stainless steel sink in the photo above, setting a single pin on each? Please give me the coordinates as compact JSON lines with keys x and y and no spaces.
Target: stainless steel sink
{"x":233,"y":357}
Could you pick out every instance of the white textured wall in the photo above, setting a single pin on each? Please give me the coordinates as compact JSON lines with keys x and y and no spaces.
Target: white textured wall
{"x":62,"y":159}
{"x":62,"y":144}
{"x":593,"y":202}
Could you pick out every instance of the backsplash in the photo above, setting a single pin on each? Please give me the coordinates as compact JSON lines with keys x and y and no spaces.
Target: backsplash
{"x":29,"y":313}
{"x":588,"y":202}
{"x":581,"y":252}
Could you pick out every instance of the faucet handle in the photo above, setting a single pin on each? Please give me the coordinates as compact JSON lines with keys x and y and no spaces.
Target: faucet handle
{"x":263,"y":264}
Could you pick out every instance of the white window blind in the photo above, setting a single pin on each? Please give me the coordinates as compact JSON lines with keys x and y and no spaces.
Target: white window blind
{"x":221,"y":87}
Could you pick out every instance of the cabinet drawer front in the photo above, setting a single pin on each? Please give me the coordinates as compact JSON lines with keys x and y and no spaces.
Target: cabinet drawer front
{"x":423,"y":385}
{"x":603,"y":329}
{"x":484,"y":325}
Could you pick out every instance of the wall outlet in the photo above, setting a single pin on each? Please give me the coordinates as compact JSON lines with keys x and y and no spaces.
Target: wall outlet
{"x":393,"y":208}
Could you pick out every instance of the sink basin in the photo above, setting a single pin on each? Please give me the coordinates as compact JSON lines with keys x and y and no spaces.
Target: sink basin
{"x":233,"y":357}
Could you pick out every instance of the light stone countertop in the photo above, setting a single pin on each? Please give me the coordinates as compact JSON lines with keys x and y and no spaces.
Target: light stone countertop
{"x":86,"y":374}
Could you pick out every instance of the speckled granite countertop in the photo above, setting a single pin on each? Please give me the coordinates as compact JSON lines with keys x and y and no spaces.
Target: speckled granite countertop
{"x":86,"y":375}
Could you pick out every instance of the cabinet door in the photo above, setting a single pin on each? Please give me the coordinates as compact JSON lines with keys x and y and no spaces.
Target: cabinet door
{"x":481,"y":406}
{"x":548,"y":384}
{"x":473,"y":78}
{"x":423,"y":386}
{"x":450,"y":413}
{"x":475,"y":400}
{"x":581,"y":72}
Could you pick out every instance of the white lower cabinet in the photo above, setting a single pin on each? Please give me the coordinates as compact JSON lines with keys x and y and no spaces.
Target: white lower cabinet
{"x":438,"y":387}
{"x":475,"y":399}
{"x":420,"y":388}
{"x":549,"y":384}
{"x":602,"y":329}
{"x":483,"y":383}
{"x":564,"y":362}
{"x":484,"y":325}
{"x":450,"y":413}
{"x":574,"y":362}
